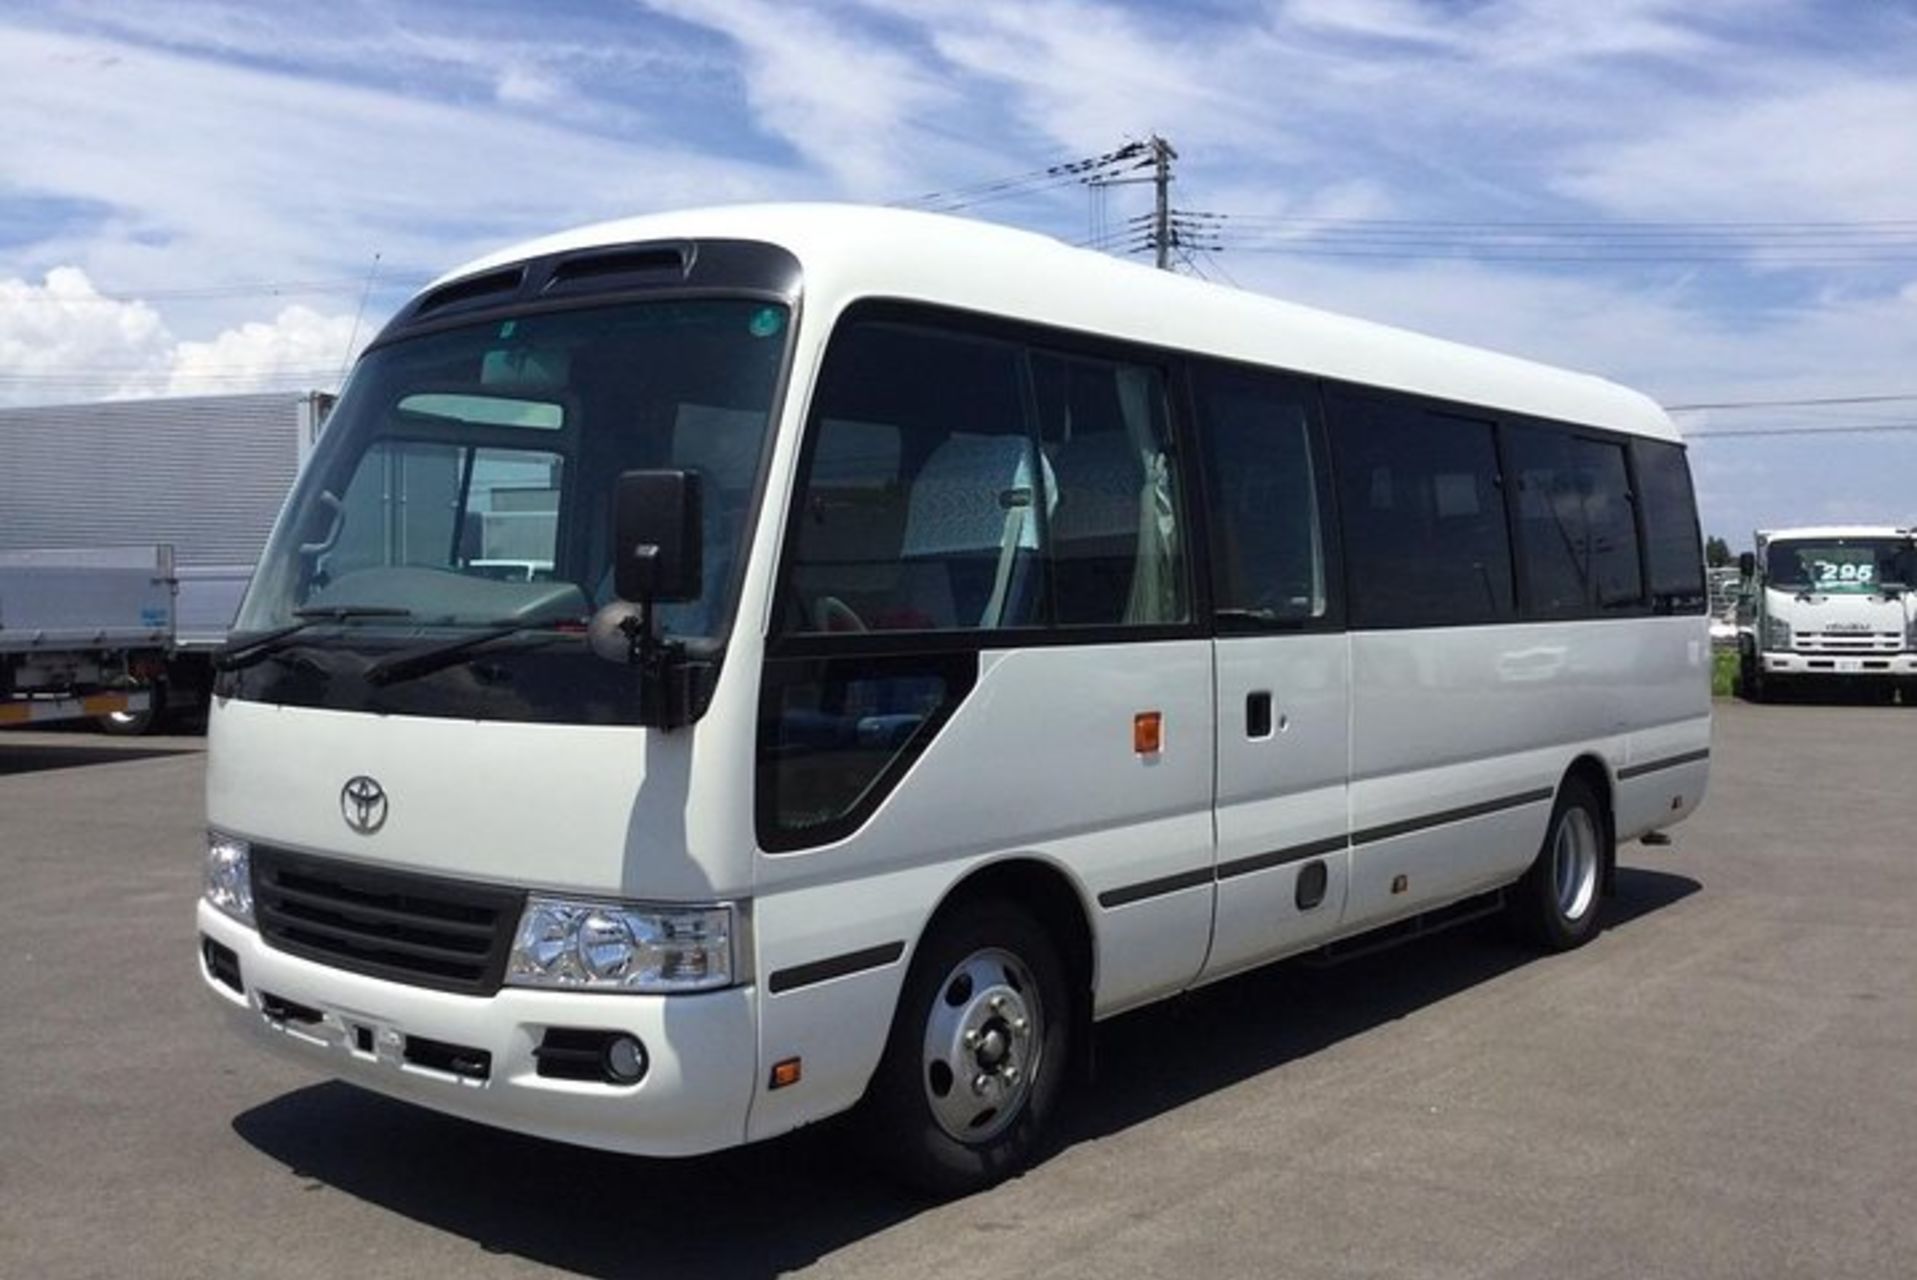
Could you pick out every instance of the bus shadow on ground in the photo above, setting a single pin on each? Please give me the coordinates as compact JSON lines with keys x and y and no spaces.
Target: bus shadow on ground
{"x":777,"y":1206}
{"x":34,"y":757}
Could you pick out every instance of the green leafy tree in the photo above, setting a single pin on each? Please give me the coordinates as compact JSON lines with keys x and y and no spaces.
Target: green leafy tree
{"x":1717,"y":552}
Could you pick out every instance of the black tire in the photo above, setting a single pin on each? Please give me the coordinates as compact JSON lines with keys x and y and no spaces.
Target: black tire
{"x":1557,"y":903}
{"x":137,"y":724}
{"x":903,"y":1131}
{"x":1750,"y":679}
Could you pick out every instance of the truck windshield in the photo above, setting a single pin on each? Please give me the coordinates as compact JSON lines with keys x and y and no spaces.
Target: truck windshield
{"x":1848,"y":566}
{"x":459,"y":503}
{"x":466,"y":476}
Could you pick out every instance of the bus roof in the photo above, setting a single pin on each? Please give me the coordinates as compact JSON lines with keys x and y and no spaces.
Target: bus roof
{"x":849,"y":252}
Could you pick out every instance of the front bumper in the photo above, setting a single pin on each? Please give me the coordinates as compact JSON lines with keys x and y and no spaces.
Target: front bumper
{"x":1901,"y":666}
{"x":702,"y":1049}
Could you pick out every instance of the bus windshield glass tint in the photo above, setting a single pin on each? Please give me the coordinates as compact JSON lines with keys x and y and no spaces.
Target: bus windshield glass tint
{"x":467,"y":476}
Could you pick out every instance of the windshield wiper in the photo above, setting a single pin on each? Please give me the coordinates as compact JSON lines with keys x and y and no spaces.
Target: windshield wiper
{"x":231,"y":657}
{"x":424,"y":661}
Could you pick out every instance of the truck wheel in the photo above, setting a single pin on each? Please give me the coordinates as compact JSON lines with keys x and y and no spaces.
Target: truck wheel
{"x":1751,"y":679}
{"x":137,"y":724}
{"x":1556,"y":904}
{"x":977,"y":1053}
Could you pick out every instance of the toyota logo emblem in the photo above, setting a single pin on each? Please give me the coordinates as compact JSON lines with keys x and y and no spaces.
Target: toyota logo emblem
{"x":362,"y":802}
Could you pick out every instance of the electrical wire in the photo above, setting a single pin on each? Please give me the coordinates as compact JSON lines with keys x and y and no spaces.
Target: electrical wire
{"x":1787,"y":404}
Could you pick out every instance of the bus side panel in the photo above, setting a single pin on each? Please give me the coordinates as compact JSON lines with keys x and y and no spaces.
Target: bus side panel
{"x":1460,"y":736}
{"x":1663,"y":773}
{"x":1037,"y":762}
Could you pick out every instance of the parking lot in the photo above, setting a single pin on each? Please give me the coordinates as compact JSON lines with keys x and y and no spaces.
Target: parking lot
{"x":1720,"y":1085}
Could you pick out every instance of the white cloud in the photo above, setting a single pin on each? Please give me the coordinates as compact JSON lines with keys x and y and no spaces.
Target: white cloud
{"x":835,"y":92}
{"x":63,"y":341}
{"x":1818,"y":150}
{"x":300,"y":347}
{"x":220,"y":172}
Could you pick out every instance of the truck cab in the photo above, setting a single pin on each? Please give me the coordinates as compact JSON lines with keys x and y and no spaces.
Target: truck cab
{"x":1830,"y":607}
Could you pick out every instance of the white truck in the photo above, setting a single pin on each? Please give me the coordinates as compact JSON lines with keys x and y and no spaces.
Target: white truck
{"x":83,"y":633}
{"x":89,"y":493}
{"x":1831,"y":607}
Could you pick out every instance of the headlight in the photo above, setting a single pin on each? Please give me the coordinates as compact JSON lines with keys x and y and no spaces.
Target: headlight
{"x":229,"y":877}
{"x":616,"y":946}
{"x":1777,"y":633}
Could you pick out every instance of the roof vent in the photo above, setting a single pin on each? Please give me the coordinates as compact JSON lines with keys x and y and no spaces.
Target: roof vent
{"x":609,"y":269}
{"x":493,"y":286}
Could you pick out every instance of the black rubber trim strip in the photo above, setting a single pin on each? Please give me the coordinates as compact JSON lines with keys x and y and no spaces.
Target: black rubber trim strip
{"x":1298,"y":853}
{"x":1390,"y":829}
{"x":1668,"y":762}
{"x":804,"y":975}
{"x":1154,"y":888}
{"x":1279,"y":857}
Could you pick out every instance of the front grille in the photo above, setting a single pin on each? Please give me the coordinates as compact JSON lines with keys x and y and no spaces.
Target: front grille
{"x":451,"y":935}
{"x":1849,"y":641}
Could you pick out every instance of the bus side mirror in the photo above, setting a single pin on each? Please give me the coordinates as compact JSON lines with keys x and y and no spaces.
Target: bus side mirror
{"x":1746,"y":565}
{"x":657,"y":536}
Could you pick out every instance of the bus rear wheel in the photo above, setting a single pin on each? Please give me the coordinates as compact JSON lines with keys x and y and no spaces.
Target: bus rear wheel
{"x":977,"y":1053}
{"x":1556,"y":904}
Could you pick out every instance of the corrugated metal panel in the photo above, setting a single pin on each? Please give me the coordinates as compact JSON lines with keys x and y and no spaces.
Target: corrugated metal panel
{"x":205,"y":473}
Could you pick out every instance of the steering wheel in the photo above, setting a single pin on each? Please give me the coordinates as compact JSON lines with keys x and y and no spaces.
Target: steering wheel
{"x":829,"y":613}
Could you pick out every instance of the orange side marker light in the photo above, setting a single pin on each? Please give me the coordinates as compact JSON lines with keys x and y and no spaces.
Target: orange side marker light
{"x":785,"y":1073}
{"x":1148,"y":733}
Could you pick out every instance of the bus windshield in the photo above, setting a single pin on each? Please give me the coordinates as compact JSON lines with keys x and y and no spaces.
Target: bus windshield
{"x":1850,"y":566}
{"x":466,"y":476}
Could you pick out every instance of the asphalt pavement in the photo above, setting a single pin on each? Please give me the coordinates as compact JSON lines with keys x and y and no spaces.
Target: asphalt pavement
{"x":1724,"y":1083}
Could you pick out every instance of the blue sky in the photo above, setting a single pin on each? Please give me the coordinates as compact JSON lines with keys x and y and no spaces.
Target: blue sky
{"x":192,"y":193}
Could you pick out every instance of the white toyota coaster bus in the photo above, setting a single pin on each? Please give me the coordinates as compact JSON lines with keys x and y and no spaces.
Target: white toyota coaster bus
{"x":924,"y":640}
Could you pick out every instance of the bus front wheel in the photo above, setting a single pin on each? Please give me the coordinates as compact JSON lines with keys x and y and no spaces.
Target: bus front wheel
{"x":977,"y":1052}
{"x":1556,"y":904}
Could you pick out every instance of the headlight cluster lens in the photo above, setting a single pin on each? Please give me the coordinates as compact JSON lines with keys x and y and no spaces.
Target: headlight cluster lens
{"x":1777,"y":633}
{"x":229,"y":878}
{"x":611,"y":946}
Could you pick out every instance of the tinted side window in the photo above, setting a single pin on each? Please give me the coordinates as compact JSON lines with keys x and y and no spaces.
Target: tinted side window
{"x":955,"y":483}
{"x":1575,"y":523}
{"x":1616,"y":576}
{"x":919,"y":507}
{"x":1114,"y":520}
{"x":1262,"y":487}
{"x":1674,"y":551}
{"x":1422,"y":515}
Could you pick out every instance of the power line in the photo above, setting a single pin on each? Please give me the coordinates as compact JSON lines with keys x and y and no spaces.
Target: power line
{"x":1838,"y":429}
{"x":1786,"y":404}
{"x":258,"y":288}
{"x":1065,"y":173}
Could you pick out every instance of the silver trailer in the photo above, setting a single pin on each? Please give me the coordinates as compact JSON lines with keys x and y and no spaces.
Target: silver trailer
{"x":83,"y":633}
{"x":203,"y":475}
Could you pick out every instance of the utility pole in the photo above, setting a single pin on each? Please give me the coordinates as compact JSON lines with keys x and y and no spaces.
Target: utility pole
{"x":1162,"y":156}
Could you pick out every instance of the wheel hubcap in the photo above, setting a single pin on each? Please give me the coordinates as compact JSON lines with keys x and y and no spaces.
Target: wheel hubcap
{"x":983,"y":1040}
{"x":1574,"y":864}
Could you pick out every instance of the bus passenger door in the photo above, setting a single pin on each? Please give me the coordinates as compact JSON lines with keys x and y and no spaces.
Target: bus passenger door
{"x":1281,"y":669}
